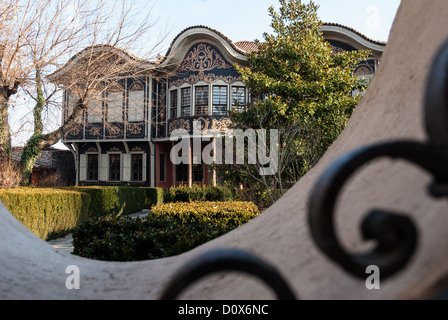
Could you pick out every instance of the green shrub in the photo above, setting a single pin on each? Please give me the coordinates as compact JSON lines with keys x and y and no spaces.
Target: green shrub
{"x":168,"y":230}
{"x":53,"y":212}
{"x":154,"y":197}
{"x":48,"y":213}
{"x":115,"y":201}
{"x":219,"y":194}
{"x":179,"y":194}
{"x":198,"y":193}
{"x":230,"y":213}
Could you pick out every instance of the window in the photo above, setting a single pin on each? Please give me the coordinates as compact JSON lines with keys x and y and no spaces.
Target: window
{"x":137,"y":167}
{"x":239,"y":99}
{"x":115,"y":107}
{"x":186,"y":102}
{"x":69,"y":105}
{"x":162,"y":167}
{"x":114,"y":167}
{"x":72,"y":100}
{"x":95,"y":111}
{"x":136,"y":106}
{"x":92,"y":167}
{"x":182,"y":172}
{"x":219,"y":100}
{"x":201,"y":100}
{"x":198,"y":172}
{"x":173,"y":104}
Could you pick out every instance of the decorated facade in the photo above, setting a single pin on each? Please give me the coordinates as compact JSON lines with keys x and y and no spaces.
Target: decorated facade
{"x":125,"y":140}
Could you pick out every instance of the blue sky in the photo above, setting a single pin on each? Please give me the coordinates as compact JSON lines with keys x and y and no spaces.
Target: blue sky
{"x":248,"y":19}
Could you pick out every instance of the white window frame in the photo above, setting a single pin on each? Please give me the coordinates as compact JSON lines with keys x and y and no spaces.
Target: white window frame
{"x":87,"y":166}
{"x":246,"y":95}
{"x":126,"y":166}
{"x":177,"y":102}
{"x":200,"y":84}
{"x":137,"y":103}
{"x":109,"y":153}
{"x":143,"y":166}
{"x":83,"y":167}
{"x":185,"y":86}
{"x":110,"y":104}
{"x":94,"y":117}
{"x":103,"y":174}
{"x":219,"y":84}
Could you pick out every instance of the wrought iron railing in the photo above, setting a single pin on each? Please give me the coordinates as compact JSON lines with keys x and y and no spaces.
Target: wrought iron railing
{"x":395,"y":233}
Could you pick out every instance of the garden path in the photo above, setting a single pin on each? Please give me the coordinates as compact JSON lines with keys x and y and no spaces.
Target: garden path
{"x":65,"y":245}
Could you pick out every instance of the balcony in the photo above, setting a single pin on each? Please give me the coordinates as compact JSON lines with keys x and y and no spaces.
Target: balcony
{"x":203,"y":123}
{"x":107,"y":131}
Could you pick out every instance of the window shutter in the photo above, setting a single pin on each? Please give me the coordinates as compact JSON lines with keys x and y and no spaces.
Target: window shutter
{"x":103,"y":167}
{"x":83,"y":167}
{"x":126,"y":167}
{"x":144,"y":168}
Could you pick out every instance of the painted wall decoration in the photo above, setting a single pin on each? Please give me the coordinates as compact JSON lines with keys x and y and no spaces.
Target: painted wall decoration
{"x":204,"y":62}
{"x":178,"y":124}
{"x":75,"y":132}
{"x":365,"y":68}
{"x":204,"y":123}
{"x":203,"y":58}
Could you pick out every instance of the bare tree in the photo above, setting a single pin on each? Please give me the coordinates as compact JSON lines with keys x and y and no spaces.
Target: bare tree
{"x":35,"y":57}
{"x":15,"y":23}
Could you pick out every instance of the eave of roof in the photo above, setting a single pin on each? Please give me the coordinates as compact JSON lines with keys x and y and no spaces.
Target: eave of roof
{"x":245,"y":47}
{"x":230,"y":42}
{"x":241,"y":47}
{"x":383,"y":43}
{"x":142,"y":62}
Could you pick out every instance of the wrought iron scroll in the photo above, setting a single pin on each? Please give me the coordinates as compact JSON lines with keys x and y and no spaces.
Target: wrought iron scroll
{"x":395,"y":233}
{"x":228,"y":260}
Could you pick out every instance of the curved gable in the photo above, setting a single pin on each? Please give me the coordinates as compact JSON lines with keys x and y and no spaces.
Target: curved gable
{"x":350,"y":38}
{"x":96,"y":52}
{"x":182,"y":44}
{"x":204,"y":62}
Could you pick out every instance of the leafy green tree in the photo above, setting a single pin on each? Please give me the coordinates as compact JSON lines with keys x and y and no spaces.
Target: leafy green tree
{"x":303,"y":89}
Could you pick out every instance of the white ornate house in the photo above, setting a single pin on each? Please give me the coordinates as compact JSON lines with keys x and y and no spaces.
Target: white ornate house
{"x":128,"y":141}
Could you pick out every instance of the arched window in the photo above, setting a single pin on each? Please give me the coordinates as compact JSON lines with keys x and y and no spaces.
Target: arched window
{"x":220,"y":100}
{"x":185,"y":102}
{"x":95,"y":110}
{"x":114,"y":102}
{"x":136,"y":104}
{"x":173,"y":104}
{"x":239,"y":99}
{"x":201,"y":100}
{"x":72,"y":100}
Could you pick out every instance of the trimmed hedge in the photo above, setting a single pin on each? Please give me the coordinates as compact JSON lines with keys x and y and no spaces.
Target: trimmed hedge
{"x":48,"y":213}
{"x":54,"y":212}
{"x":115,"y":201}
{"x":154,"y":197}
{"x":198,"y":193}
{"x":169,"y":229}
